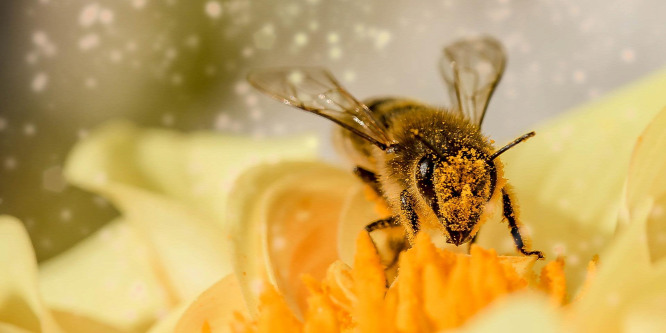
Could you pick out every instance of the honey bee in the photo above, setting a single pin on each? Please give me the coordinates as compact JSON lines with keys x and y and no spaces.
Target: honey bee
{"x":433,"y":167}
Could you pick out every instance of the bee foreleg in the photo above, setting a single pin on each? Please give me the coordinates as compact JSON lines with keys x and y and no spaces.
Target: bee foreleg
{"x":388,"y":222}
{"x":510,"y":215}
{"x":369,"y":178}
{"x":408,"y":212}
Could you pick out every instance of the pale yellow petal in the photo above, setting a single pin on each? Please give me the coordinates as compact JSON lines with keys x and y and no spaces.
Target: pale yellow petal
{"x":214,"y":308}
{"x":110,"y":278}
{"x":21,"y":305}
{"x":522,"y":312}
{"x":356,"y":214}
{"x":569,"y":177}
{"x":173,"y":188}
{"x":647,"y":183}
{"x":285,"y":220}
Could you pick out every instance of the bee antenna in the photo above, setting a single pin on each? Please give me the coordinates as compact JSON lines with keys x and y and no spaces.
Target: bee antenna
{"x":511,"y":144}
{"x":439,"y":154}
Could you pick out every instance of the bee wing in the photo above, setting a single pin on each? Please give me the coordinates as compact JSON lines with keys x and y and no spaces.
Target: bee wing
{"x":316,"y":90}
{"x":472,"y":68}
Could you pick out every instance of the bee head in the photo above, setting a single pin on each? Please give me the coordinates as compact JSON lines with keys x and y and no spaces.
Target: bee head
{"x":457,"y":188}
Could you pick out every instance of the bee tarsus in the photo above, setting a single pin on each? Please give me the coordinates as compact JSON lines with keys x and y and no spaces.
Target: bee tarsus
{"x":511,"y":217}
{"x":389,"y":222}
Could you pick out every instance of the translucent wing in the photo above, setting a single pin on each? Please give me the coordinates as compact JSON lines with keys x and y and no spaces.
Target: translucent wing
{"x":317,"y":91}
{"x":472,"y":68}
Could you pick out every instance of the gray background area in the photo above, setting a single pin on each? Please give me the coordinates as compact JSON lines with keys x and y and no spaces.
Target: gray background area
{"x":68,"y":65}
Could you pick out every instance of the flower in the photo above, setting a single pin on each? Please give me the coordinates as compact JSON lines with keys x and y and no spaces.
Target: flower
{"x":584,"y":186}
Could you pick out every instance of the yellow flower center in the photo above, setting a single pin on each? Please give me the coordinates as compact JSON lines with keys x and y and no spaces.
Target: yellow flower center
{"x":435,"y":290}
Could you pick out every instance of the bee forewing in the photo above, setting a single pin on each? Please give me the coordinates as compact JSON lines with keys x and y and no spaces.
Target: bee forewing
{"x":316,"y":90}
{"x":472,"y":68}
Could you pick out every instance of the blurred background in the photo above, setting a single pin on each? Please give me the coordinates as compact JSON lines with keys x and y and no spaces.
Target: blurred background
{"x":68,"y":65}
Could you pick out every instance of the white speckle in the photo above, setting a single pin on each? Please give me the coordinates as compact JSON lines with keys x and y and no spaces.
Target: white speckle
{"x":168,"y":119}
{"x":10,"y":163}
{"x":559,"y":249}
{"x":39,"y":82}
{"x":573,"y":260}
{"x":45,"y":243}
{"x":300,"y":39}
{"x":657,"y":211}
{"x":265,"y":37}
{"x":116,"y":56}
{"x":65,"y":214}
{"x":613,"y":299}
{"x":106,"y":16}
{"x":211,"y":70}
{"x":213,"y":9}
{"x":313,"y":25}
{"x":90,"y":83}
{"x":279,"y":243}
{"x":349,"y":76}
{"x":29,"y":129}
{"x":251,"y":100}
{"x":192,"y":41}
{"x":88,"y":42}
{"x":256,"y":114}
{"x":257,"y":286}
{"x":89,"y":15}
{"x":3,"y":124}
{"x":335,"y":53}
{"x":247,"y":52}
{"x":241,"y":88}
{"x":628,"y":55}
{"x":222,"y":121}
{"x":382,"y":39}
{"x":176,"y":79}
{"x":138,"y":4}
{"x":53,"y":179}
{"x":313,"y":2}
{"x":579,"y":76}
{"x":295,"y":77}
{"x":42,"y":41}
{"x":302,"y":215}
{"x":82,"y":133}
{"x":333,"y":37}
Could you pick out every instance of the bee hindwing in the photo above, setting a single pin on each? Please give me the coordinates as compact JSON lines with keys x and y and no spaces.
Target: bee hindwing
{"x":472,"y":68}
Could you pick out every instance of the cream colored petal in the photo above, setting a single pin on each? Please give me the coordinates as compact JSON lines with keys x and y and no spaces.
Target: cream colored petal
{"x":21,"y":306}
{"x":522,"y":312}
{"x":357,"y":213}
{"x":110,"y":278}
{"x":647,"y":183}
{"x":168,"y":322}
{"x":285,"y":219}
{"x":625,"y":282}
{"x":214,"y":308}
{"x":569,"y":178}
{"x":198,"y":169}
{"x":173,"y":188}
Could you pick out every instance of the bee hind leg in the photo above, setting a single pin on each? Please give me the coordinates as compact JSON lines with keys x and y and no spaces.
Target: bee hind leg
{"x":510,"y":215}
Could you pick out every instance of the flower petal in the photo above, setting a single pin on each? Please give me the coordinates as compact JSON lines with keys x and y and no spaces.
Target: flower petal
{"x":523,"y":312}
{"x":214,"y":308}
{"x":569,"y":178}
{"x":21,"y":306}
{"x":173,"y":188}
{"x":646,"y":183}
{"x":284,"y":220}
{"x":109,"y":277}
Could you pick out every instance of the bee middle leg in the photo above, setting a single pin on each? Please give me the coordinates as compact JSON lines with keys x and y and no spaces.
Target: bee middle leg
{"x":390,"y":240}
{"x":510,"y":215}
{"x":368,"y":177}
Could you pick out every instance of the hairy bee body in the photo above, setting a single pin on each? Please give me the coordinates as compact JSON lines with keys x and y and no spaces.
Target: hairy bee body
{"x":434,"y":168}
{"x":395,"y":169}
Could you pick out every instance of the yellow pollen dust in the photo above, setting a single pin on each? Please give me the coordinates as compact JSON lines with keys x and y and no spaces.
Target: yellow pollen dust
{"x":435,"y":290}
{"x":462,"y":184}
